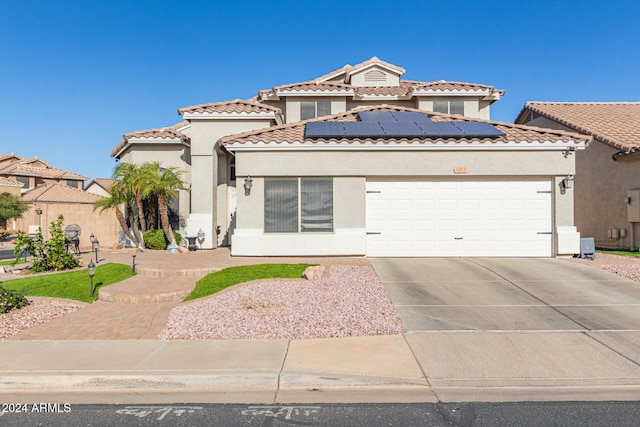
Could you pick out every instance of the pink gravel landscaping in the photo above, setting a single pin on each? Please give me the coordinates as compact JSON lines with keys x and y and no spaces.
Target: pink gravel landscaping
{"x":351,"y":302}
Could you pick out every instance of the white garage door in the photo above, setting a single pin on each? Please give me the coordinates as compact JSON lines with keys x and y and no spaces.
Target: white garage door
{"x":459,"y":218}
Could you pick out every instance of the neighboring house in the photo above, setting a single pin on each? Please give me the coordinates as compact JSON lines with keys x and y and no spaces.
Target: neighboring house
{"x":369,"y":181}
{"x":99,"y":186}
{"x":607,"y":181}
{"x":32,"y":172}
{"x":10,"y":186}
{"x":47,"y":201}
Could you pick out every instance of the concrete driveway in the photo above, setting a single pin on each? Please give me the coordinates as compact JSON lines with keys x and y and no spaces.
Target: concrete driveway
{"x":502,"y":294}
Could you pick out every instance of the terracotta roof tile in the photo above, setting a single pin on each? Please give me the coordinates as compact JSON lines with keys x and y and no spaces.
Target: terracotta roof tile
{"x":235,"y":106}
{"x":614,"y":123}
{"x":294,"y":132}
{"x":406,"y":88}
{"x":170,"y":132}
{"x":9,"y":156}
{"x":105,"y":183}
{"x":17,"y":168}
{"x":56,"y":193}
{"x":6,"y":182}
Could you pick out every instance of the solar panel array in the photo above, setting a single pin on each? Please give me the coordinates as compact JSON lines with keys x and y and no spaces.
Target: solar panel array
{"x":399,"y":124}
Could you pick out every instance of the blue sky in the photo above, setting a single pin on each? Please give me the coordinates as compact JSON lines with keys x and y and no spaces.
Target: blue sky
{"x":76,"y":75}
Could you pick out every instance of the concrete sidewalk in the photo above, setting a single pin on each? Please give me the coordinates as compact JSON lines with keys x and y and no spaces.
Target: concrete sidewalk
{"x":416,"y":367}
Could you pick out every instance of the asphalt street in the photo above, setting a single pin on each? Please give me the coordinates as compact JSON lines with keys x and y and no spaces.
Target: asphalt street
{"x":523,"y":414}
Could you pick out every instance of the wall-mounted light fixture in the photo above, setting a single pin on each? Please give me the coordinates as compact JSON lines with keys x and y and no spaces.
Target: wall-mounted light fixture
{"x":248,"y":183}
{"x":627,"y":200}
{"x":39,"y":211}
{"x":567,"y":182}
{"x":568,"y":151}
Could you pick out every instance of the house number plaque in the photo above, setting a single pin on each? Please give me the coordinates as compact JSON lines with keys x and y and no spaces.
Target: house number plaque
{"x":460,"y":169}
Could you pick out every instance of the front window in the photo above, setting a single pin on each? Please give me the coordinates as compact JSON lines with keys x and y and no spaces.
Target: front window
{"x":312,"y":109}
{"x":72,"y":183}
{"x":449,"y":107}
{"x":295,"y":205}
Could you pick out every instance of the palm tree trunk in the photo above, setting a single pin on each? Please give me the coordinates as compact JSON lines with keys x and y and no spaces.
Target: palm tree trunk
{"x":143,"y":220}
{"x":163,"y":207}
{"x":123,"y":224}
{"x":153,"y":212}
{"x":134,"y":226}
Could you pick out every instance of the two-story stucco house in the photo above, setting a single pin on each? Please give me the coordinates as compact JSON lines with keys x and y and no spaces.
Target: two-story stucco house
{"x":362,"y":162}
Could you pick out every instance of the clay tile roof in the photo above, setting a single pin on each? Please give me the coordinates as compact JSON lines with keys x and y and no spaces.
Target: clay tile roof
{"x":56,"y":193}
{"x":294,"y":132}
{"x":348,"y":69}
{"x":314,"y":87}
{"x":6,"y":182}
{"x":615,"y":123}
{"x":443,"y":85}
{"x":9,"y":156}
{"x":105,"y":183}
{"x":237,"y":106}
{"x":170,"y":132}
{"x":18,"y":168}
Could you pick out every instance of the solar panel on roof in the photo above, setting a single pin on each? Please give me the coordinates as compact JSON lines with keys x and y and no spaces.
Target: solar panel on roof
{"x":440,"y":130}
{"x":478,"y":129}
{"x":324,"y":130}
{"x":410,"y":116}
{"x":363,"y":129}
{"x":376,"y":116}
{"x":402,"y":129}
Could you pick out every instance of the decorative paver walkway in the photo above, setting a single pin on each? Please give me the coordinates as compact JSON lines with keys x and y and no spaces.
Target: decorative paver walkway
{"x":138,"y":308}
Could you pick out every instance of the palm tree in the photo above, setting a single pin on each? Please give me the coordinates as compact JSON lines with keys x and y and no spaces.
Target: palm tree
{"x":164,"y":183}
{"x":129,"y":178}
{"x":113,"y":201}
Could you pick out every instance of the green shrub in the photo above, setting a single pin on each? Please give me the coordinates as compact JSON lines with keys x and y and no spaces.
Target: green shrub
{"x":48,"y":255}
{"x":155,"y":239}
{"x":11,"y":299}
{"x":3,"y":235}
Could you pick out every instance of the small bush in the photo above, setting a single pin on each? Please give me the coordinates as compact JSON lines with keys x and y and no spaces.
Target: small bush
{"x":3,"y":235}
{"x":48,"y":255}
{"x":154,"y":239}
{"x":11,"y":299}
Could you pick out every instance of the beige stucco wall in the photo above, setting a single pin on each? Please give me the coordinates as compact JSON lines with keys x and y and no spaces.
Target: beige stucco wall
{"x":210,"y":176}
{"x":103,"y":225}
{"x":600,"y":188}
{"x":403,"y":163}
{"x":11,"y":189}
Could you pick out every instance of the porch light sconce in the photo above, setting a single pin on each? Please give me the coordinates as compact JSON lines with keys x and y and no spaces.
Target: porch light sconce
{"x":627,"y":200}
{"x":567,"y":182}
{"x":39,"y":211}
{"x":248,"y":183}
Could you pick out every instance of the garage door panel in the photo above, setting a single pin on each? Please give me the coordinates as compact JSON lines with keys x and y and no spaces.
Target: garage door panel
{"x":459,"y":218}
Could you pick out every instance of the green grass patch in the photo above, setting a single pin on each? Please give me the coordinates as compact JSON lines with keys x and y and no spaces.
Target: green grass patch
{"x":72,"y":285}
{"x":215,"y":282}
{"x":623,"y":253}
{"x":13,"y":262}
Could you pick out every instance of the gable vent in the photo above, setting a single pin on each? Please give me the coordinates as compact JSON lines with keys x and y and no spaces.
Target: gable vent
{"x":375,"y":76}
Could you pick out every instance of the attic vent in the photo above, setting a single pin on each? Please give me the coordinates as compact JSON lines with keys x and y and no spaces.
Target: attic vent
{"x":375,"y":76}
